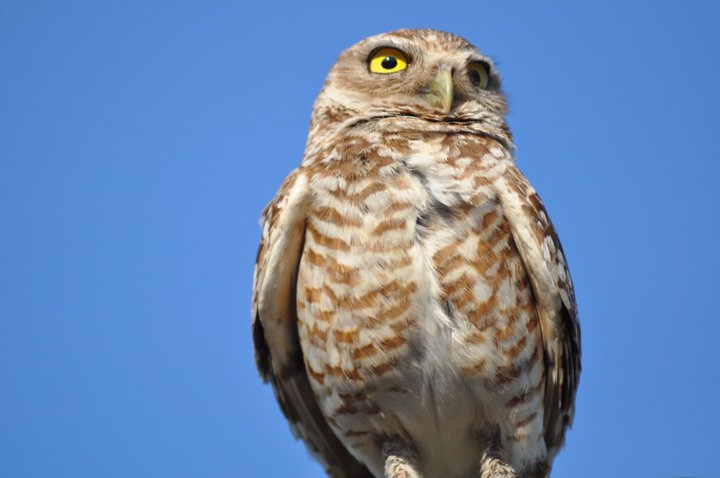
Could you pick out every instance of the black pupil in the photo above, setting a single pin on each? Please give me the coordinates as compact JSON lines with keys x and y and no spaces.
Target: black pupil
{"x":474,"y":77}
{"x":389,"y":63}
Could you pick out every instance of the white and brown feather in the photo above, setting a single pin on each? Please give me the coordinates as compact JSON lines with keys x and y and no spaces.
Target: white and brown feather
{"x":410,"y":288}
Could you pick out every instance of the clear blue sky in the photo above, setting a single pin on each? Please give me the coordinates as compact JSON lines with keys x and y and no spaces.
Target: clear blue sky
{"x":139,"y":141}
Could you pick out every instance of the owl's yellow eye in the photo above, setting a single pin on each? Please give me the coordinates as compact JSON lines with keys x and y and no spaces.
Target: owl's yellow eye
{"x":387,"y":60}
{"x":478,"y":74}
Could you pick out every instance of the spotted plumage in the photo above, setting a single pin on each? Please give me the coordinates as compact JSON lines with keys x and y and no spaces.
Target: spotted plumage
{"x":412,"y":304}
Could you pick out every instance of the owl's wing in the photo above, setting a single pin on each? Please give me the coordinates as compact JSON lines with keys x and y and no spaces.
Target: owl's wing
{"x":552,"y":287}
{"x":277,"y":349}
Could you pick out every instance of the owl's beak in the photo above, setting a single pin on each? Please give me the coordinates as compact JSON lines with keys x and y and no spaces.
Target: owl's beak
{"x":441,"y":91}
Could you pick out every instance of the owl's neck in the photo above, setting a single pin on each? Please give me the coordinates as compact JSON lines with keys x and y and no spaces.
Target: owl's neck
{"x":330,"y":125}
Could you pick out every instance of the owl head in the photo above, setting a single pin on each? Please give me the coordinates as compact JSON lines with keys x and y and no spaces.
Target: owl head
{"x":422,"y":75}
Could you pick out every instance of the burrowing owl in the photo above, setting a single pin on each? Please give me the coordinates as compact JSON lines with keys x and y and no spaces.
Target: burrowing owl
{"x":412,"y":305}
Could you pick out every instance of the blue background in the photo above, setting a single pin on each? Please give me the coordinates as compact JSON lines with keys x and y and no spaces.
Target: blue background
{"x":139,"y":142}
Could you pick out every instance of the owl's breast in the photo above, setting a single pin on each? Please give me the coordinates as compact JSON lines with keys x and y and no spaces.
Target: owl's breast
{"x":411,"y":300}
{"x":361,"y":283}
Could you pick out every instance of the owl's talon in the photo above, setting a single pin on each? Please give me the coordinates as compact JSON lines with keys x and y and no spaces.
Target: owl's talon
{"x":399,"y":467}
{"x":493,"y":467}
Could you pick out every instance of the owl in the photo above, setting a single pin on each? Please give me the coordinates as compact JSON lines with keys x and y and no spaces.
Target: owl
{"x":412,"y":305}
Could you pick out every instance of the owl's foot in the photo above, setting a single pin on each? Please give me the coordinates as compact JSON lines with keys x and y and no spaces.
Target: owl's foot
{"x":493,"y":467}
{"x":399,"y":467}
{"x":400,"y":460}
